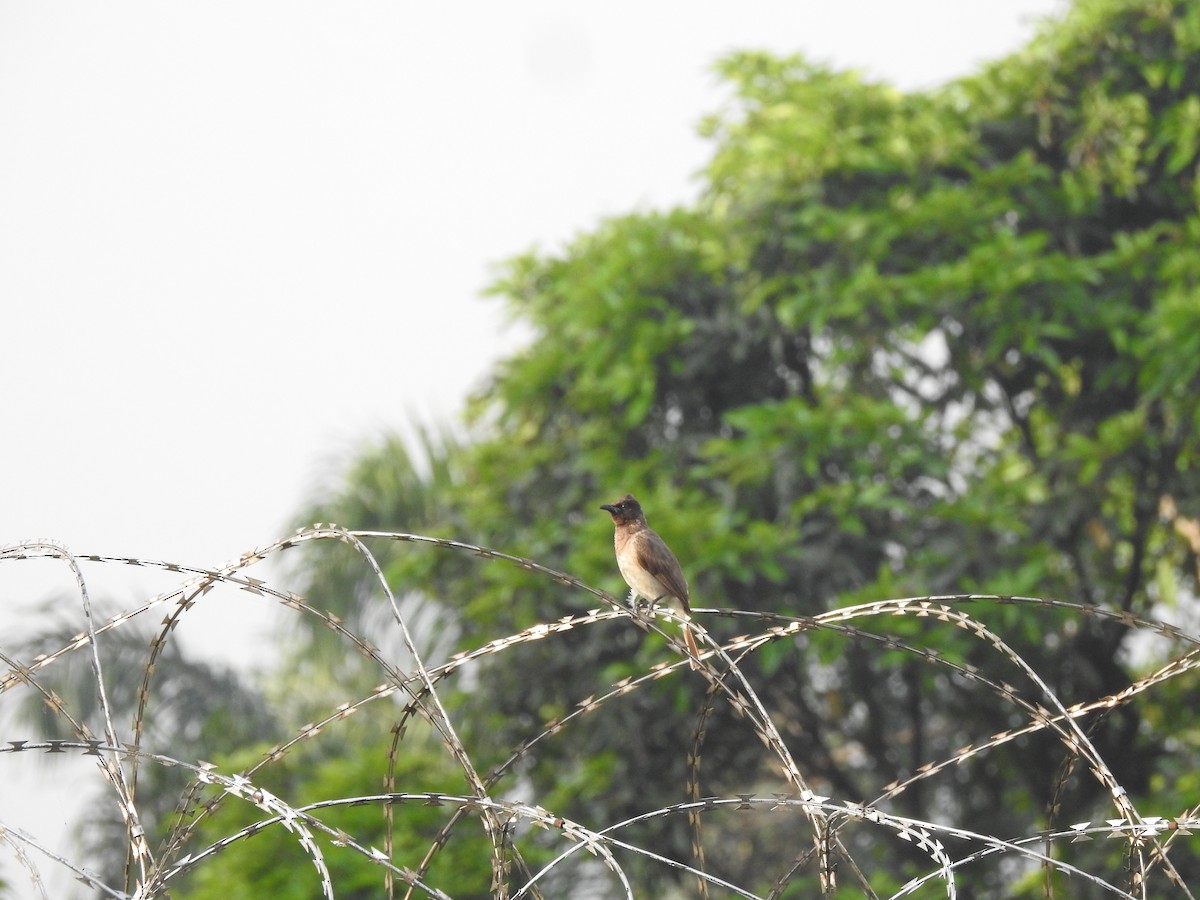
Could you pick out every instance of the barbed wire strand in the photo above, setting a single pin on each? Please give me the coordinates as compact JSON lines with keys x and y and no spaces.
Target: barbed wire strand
{"x":1141,"y":833}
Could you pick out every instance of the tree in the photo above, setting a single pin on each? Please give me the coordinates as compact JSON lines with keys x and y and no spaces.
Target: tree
{"x":905,"y":344}
{"x":160,"y":698}
{"x":271,"y":859}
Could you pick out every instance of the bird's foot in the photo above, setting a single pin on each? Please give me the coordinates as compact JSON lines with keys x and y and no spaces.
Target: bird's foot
{"x":640,"y":604}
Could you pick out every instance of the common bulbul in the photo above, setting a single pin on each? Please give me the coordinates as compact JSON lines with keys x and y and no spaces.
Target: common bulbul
{"x":648,"y":565}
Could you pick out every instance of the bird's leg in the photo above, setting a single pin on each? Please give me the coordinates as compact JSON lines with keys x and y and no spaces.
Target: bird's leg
{"x":640,"y":604}
{"x":645,"y":605}
{"x":634,"y":600}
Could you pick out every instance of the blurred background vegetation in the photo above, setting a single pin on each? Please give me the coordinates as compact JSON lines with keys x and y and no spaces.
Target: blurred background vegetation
{"x":903,"y":344}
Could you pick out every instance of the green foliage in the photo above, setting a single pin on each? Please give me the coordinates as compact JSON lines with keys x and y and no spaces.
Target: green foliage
{"x":272,"y":859}
{"x":182,"y":702}
{"x":904,"y":344}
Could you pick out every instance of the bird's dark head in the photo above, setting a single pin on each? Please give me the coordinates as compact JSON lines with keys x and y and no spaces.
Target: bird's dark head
{"x":625,"y":510}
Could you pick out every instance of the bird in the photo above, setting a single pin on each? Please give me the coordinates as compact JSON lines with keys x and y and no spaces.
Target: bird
{"x":648,"y":565}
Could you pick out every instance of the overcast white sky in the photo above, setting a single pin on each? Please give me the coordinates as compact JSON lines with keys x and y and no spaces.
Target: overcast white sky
{"x":238,"y":239}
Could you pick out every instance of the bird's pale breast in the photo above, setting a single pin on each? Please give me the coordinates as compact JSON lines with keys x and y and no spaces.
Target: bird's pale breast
{"x":645,"y":584}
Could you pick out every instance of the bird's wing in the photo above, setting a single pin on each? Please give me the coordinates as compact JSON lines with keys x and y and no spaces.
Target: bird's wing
{"x":657,"y":559}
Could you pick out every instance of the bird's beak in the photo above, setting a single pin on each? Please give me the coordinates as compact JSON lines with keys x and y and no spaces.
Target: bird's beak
{"x":608,"y":508}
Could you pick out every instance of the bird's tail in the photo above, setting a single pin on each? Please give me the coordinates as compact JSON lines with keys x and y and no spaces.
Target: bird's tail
{"x":689,"y":641}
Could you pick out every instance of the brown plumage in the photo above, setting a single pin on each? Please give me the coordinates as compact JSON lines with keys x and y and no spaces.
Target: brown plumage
{"x":648,"y":565}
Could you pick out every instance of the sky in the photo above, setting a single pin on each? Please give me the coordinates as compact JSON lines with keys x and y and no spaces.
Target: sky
{"x":239,"y":240}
